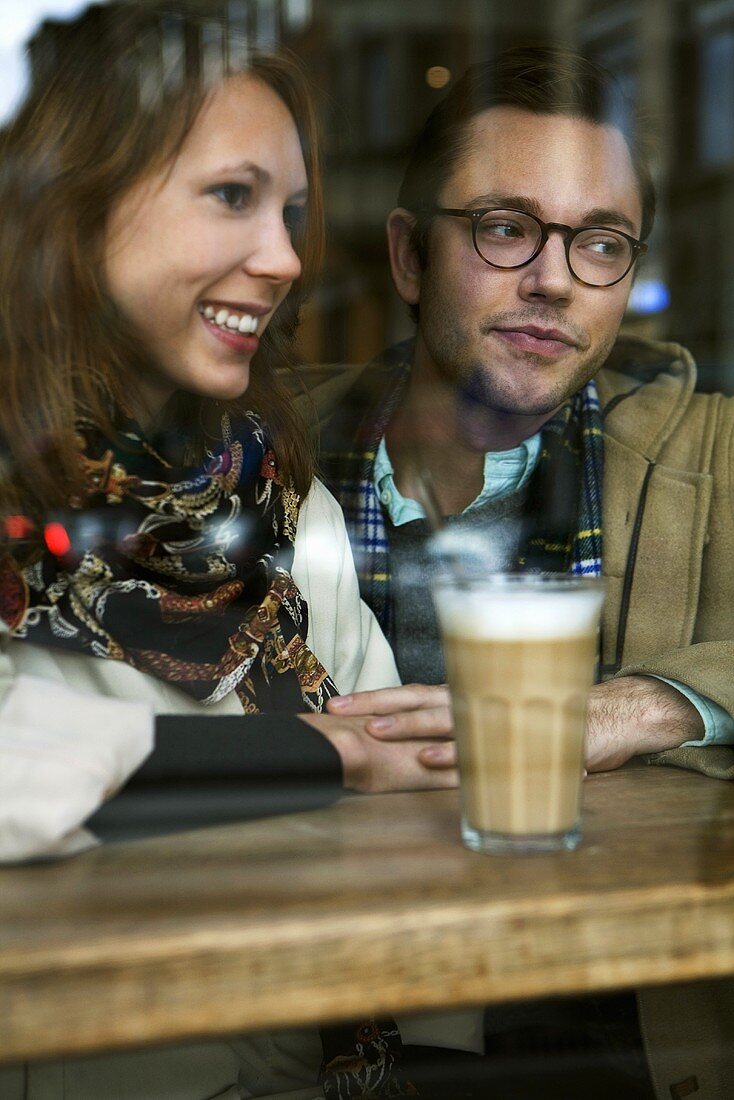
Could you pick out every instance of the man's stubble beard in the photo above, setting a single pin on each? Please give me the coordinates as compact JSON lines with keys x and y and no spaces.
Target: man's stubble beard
{"x":450,"y":349}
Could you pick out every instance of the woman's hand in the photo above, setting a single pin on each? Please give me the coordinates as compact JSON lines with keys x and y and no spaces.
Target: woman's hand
{"x":412,"y":753}
{"x":413,"y":712}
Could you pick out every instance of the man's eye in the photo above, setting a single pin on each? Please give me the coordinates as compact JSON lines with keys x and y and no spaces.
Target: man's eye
{"x":607,"y":248}
{"x":236,"y":196}
{"x":502,"y":230}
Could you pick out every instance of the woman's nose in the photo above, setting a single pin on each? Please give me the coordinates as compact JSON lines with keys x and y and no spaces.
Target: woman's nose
{"x":273,"y":255}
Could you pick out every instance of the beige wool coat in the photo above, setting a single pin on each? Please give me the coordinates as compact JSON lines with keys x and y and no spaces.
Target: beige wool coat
{"x":668,"y":529}
{"x":669,"y":505}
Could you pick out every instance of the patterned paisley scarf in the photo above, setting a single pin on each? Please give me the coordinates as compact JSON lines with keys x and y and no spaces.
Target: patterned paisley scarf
{"x":181,"y":573}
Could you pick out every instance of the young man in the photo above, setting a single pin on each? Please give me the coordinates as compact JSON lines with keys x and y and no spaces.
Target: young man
{"x":521,"y":218}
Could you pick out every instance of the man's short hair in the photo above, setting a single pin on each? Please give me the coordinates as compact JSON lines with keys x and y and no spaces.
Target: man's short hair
{"x":546,"y":80}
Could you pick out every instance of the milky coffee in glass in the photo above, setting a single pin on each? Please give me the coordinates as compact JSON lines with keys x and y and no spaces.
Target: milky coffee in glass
{"x":520,"y":655}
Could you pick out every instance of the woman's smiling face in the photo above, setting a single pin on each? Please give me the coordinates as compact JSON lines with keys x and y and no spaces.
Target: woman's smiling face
{"x":200,"y":254}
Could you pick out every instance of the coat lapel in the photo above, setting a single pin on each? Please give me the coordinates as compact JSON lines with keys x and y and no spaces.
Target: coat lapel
{"x":653,"y":549}
{"x":655,"y":514}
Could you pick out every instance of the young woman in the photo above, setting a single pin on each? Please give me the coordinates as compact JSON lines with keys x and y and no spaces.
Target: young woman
{"x":175,"y":587}
{"x":169,"y":562}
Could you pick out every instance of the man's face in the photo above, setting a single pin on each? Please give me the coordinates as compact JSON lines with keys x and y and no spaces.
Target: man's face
{"x":523,"y":340}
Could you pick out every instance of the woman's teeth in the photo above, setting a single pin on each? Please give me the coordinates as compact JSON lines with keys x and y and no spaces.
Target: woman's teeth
{"x":228,"y":319}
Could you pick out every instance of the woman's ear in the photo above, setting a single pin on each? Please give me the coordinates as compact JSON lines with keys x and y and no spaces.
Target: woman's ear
{"x":404,"y":263}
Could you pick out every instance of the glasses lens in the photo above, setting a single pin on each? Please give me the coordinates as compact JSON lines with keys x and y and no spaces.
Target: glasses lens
{"x":506,"y":239}
{"x":600,"y":256}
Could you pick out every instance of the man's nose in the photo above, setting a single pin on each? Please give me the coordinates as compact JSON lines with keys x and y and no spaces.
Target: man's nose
{"x":548,"y":276}
{"x":270,"y":253}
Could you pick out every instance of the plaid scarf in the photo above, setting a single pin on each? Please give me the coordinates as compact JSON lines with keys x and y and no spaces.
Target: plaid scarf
{"x":562,"y":513}
{"x":561,"y":528}
{"x":348,"y":449}
{"x":182,"y":573}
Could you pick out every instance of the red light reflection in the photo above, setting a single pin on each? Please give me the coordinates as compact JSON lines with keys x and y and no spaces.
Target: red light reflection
{"x":18,"y":527}
{"x":57,"y":539}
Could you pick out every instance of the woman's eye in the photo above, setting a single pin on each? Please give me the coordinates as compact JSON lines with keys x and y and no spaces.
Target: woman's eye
{"x":236,"y":196}
{"x":294,"y":218}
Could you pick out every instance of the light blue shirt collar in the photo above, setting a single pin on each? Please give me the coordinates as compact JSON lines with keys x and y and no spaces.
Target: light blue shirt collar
{"x":504,"y":472}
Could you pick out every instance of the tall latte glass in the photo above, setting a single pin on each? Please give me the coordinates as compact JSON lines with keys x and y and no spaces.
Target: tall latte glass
{"x":520,"y":655}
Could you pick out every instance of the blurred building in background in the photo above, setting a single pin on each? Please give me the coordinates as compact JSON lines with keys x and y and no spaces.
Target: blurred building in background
{"x":379,"y":66}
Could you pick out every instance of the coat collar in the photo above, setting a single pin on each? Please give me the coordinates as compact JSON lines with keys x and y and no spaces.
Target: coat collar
{"x":662,"y":377}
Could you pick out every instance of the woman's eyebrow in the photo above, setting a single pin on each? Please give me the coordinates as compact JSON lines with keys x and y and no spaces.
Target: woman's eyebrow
{"x":261,"y":174}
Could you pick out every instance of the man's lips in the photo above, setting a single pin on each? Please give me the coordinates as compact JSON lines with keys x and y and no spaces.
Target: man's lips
{"x":549,"y":342}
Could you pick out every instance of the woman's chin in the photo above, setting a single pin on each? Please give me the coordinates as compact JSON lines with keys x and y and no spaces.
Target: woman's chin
{"x":226,"y":389}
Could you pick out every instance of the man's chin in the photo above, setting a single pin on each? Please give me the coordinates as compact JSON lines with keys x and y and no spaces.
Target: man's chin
{"x":530,"y":393}
{"x":510,"y":404}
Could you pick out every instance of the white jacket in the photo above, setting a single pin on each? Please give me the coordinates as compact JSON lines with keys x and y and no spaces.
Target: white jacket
{"x":54,"y":775}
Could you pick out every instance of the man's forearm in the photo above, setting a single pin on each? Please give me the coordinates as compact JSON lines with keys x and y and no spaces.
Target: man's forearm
{"x":632,"y":715}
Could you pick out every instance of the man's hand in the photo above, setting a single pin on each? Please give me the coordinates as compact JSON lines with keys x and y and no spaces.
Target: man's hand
{"x":372,"y":764}
{"x":634,"y":715}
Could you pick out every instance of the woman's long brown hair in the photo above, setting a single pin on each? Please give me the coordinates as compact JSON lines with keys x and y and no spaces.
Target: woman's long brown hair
{"x":113,"y":95}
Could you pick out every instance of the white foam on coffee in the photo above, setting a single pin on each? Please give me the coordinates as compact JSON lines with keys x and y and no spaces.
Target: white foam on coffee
{"x":493,"y":615}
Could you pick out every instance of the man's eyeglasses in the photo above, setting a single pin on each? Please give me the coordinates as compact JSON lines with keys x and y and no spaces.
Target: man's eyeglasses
{"x":596,"y":255}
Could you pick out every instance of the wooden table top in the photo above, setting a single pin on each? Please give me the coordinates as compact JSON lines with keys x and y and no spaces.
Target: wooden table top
{"x":370,"y":905}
